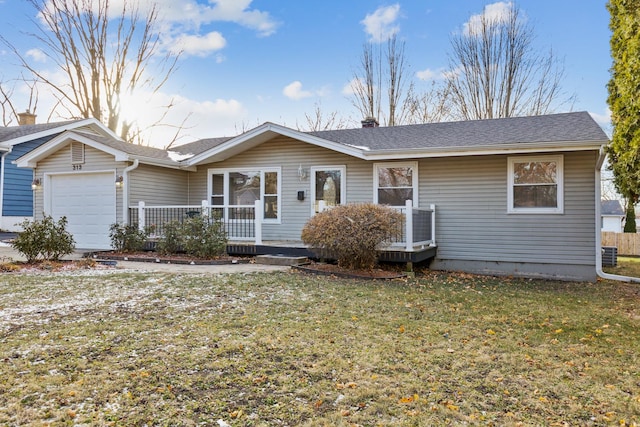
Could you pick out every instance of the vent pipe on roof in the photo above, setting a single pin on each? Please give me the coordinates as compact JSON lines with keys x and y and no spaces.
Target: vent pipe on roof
{"x":26,"y":118}
{"x":370,"y":122}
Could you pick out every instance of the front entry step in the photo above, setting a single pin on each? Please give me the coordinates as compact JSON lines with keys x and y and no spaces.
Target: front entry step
{"x":281,"y":260}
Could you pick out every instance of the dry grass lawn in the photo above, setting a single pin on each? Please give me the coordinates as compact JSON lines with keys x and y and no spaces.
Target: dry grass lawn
{"x":133,"y":349}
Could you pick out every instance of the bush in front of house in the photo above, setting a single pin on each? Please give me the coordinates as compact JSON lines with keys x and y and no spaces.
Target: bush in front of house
{"x":44,"y":239}
{"x":203,"y":237}
{"x":171,"y":240}
{"x":351,"y":234}
{"x":128,"y":238}
{"x":200,"y":236}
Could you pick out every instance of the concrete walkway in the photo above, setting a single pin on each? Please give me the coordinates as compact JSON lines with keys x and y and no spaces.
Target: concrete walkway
{"x":8,"y":253}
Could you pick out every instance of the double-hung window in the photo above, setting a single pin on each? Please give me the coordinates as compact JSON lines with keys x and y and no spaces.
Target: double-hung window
{"x":395,"y":183}
{"x":536,"y":184}
{"x":236,"y":191}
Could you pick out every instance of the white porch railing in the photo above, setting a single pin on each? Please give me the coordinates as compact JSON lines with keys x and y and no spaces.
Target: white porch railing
{"x":243,"y":222}
{"x":418,"y":228}
{"x":239,"y":220}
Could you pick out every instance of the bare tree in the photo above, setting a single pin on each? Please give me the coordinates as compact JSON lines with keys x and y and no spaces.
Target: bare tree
{"x":366,"y":84}
{"x":380,"y":71}
{"x":319,"y":121}
{"x":8,"y":108}
{"x":429,"y":106}
{"x":104,"y":59}
{"x":9,"y":113}
{"x":496,"y":72}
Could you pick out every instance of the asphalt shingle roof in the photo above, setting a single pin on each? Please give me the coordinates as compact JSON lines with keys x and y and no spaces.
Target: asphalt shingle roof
{"x":13,"y":132}
{"x":200,"y":146}
{"x":135,"y":150}
{"x":611,"y":207}
{"x":566,"y":127}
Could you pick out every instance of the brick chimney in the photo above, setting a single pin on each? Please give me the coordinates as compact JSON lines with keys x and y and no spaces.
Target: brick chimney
{"x":370,"y":122}
{"x":26,"y":118}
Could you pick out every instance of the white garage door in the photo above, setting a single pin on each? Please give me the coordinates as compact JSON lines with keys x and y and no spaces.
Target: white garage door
{"x":88,"y":200}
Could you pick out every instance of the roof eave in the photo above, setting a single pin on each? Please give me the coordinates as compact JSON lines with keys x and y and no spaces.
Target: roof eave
{"x":514,"y":148}
{"x":262,"y":134}
{"x":59,"y":129}
{"x":31,"y":159}
{"x":172,"y":164}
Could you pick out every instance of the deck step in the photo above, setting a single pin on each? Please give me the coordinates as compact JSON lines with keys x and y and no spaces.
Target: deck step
{"x":281,"y":260}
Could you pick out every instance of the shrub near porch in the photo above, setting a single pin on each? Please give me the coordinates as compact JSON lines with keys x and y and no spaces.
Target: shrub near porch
{"x":351,"y":233}
{"x":288,"y":349}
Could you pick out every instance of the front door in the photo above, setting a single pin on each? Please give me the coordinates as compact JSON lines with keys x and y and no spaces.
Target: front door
{"x":327,"y":187}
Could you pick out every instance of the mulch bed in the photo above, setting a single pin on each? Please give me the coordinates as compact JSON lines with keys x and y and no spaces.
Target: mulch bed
{"x":324,"y":269}
{"x":168,"y":259}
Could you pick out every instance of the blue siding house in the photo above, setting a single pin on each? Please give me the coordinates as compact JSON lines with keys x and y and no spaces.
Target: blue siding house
{"x":16,"y":193}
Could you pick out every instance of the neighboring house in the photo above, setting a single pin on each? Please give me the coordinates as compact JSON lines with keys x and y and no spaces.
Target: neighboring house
{"x":612,"y":216}
{"x":515,"y":196}
{"x":16,"y":193}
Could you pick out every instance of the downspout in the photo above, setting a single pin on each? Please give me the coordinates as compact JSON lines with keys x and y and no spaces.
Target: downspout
{"x":4,"y":155}
{"x":599,"y":271}
{"x":125,"y":190}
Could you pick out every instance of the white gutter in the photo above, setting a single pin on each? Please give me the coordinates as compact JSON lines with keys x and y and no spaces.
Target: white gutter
{"x":125,"y":190}
{"x":599,"y":271}
{"x":2,"y":179}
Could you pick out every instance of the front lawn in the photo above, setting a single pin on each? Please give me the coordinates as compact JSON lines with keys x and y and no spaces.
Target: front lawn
{"x":288,"y":349}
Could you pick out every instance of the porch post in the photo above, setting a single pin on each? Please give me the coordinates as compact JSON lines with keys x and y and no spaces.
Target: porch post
{"x":141,"y":215}
{"x":258,"y":221}
{"x":408,"y":218}
{"x":204,"y":210}
{"x":433,"y":224}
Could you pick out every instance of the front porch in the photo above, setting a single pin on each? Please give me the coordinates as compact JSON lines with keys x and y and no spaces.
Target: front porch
{"x":413,"y":241}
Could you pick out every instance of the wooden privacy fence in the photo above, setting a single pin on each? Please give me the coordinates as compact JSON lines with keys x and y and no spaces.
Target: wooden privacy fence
{"x":627,"y":243}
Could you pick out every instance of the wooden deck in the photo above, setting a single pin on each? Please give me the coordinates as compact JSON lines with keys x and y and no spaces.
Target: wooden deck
{"x":297,"y":248}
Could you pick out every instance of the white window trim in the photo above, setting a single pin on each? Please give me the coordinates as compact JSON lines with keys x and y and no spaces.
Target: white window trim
{"x":226,"y":171}
{"x":559,"y":159}
{"x":414,"y":184}
{"x":312,"y":184}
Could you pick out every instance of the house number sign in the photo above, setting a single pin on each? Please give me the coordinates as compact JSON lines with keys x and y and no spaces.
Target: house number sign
{"x":77,"y":167}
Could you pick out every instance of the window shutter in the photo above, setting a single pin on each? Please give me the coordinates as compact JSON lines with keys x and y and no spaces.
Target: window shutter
{"x":77,"y":152}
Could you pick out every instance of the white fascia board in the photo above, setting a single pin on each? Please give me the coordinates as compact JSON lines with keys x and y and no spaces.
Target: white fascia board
{"x":162,"y":163}
{"x":31,"y":159}
{"x":483,"y":150}
{"x":91,"y":122}
{"x":263,"y":133}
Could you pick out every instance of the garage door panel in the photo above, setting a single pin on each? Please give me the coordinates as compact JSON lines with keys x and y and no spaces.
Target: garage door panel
{"x":88,"y":200}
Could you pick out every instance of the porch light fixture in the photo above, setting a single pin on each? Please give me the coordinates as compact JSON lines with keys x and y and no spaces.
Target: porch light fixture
{"x":302,"y":173}
{"x":35,"y":184}
{"x":119,"y":181}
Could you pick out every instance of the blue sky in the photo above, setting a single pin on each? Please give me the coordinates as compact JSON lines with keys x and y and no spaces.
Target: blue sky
{"x":247,"y":62}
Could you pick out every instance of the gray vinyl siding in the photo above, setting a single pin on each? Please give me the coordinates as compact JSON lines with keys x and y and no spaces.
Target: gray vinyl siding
{"x":470,"y":194}
{"x":159,"y":186}
{"x":60,"y":163}
{"x":289,"y":155}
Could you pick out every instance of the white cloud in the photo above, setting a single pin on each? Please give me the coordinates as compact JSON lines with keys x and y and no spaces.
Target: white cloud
{"x":193,"y":13}
{"x":199,"y":45}
{"x":204,"y":119}
{"x":37,"y":55}
{"x":350,"y":88}
{"x":429,"y":74}
{"x":495,"y":12}
{"x":381,"y":24}
{"x":604,"y":120}
{"x":294,"y":91}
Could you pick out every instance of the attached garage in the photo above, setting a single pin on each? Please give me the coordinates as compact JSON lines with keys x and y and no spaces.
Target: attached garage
{"x":88,"y":200}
